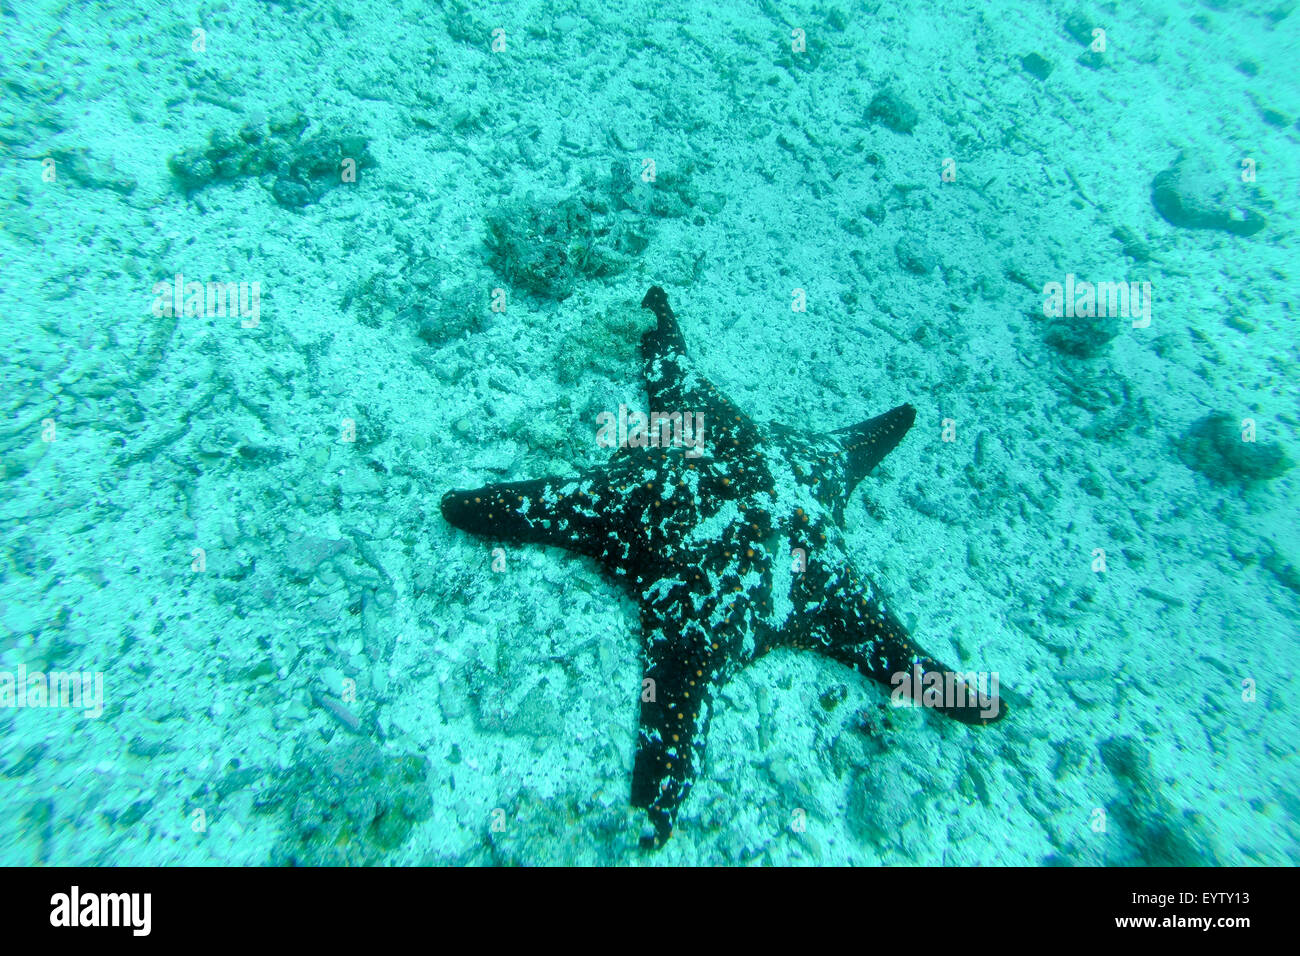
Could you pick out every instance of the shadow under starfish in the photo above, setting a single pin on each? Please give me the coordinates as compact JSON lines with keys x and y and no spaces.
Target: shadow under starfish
{"x":730,"y":553}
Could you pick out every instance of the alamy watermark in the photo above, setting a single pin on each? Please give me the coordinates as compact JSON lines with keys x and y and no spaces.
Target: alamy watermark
{"x":75,"y":908}
{"x":656,"y":430}
{"x":947,"y":690}
{"x":180,"y":298}
{"x":83,"y":690}
{"x":1125,"y":300}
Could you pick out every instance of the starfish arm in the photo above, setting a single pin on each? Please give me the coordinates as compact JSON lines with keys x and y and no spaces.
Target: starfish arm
{"x":684,"y":663}
{"x":674,"y":384}
{"x":862,"y":446}
{"x":852,"y":625}
{"x":554,"y":511}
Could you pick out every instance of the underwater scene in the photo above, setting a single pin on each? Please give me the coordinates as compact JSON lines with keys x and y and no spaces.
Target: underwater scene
{"x":787,"y":432}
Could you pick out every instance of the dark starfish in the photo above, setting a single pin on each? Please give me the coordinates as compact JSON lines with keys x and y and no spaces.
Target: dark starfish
{"x":729,"y":554}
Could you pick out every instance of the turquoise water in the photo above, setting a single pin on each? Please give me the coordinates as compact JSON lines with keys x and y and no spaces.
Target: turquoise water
{"x":277,"y":276}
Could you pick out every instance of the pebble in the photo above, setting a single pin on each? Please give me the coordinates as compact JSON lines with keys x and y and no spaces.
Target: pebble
{"x":1194,"y":194}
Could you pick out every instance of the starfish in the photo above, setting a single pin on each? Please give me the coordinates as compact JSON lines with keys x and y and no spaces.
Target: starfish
{"x":730,"y":549}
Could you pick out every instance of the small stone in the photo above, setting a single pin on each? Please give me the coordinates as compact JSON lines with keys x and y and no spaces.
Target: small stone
{"x":1213,"y":446}
{"x":1080,"y":336}
{"x":290,"y":194}
{"x":1195,"y":195}
{"x":1235,"y":320}
{"x":890,"y":109}
{"x":1079,"y":27}
{"x":1131,"y":245}
{"x":1091,"y":59}
{"x":1036,"y":66}
{"x":135,"y":813}
{"x":360,"y":481}
{"x":192,"y":169}
{"x":915,"y":257}
{"x":332,"y":678}
{"x":1274,"y":118}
